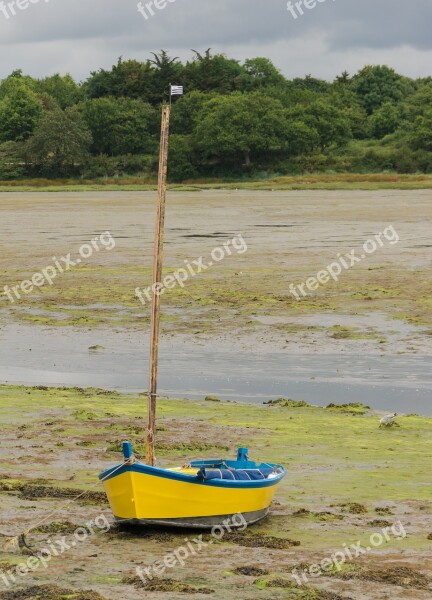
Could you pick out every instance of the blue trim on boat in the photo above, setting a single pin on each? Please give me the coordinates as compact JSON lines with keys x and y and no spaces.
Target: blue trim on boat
{"x":166,"y":474}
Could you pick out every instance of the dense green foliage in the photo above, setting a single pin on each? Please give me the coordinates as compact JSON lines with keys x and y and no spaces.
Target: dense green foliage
{"x":235,"y":120}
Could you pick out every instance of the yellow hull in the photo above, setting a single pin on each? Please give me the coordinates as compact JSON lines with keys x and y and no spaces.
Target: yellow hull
{"x":140,"y":493}
{"x":137,"y":496}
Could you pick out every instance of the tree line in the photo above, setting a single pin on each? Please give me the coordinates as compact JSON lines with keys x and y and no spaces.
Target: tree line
{"x":236,"y":120}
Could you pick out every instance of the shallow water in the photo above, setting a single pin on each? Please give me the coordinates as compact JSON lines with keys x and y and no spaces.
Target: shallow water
{"x":53,"y":357}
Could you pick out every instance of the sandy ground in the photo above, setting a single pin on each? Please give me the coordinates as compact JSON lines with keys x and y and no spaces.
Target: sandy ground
{"x":342,"y":489}
{"x":240,"y":307}
{"x":382,"y":306}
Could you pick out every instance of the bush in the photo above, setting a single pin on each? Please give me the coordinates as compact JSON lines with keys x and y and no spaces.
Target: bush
{"x":405,"y":161}
{"x":11,"y":163}
{"x":116,"y":166}
{"x":181,"y":162}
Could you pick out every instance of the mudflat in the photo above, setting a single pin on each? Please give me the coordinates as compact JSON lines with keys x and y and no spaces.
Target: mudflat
{"x":379,"y":304}
{"x":347,"y":479}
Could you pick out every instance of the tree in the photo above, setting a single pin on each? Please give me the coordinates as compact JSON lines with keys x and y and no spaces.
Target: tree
{"x":385,"y":120}
{"x":332,"y":126}
{"x":302,"y":139}
{"x":344,"y":78}
{"x":261,"y":73}
{"x":312,"y":83}
{"x":61,"y":142}
{"x":12,"y":165}
{"x":15,"y":79}
{"x":120,"y":125}
{"x":187,"y":110}
{"x":20,"y":111}
{"x":212,"y":73}
{"x":181,"y":160}
{"x":420,"y":102}
{"x":377,"y":85}
{"x":63,"y":90}
{"x":420,"y":136}
{"x":242,"y":126}
{"x":167,"y":71}
{"x":345,"y":99}
{"x":131,"y":78}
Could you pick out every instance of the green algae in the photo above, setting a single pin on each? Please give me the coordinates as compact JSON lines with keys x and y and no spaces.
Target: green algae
{"x":65,"y":527}
{"x":251,"y":571}
{"x":165,"y":585}
{"x":50,"y":592}
{"x":261,"y":541}
{"x":287,"y":403}
{"x":295,"y":592}
{"x":332,"y":457}
{"x":399,"y":575}
{"x":357,"y":408}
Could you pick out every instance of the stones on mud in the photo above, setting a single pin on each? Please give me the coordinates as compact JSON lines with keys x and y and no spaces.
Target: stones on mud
{"x":354,"y":508}
{"x":324,"y":516}
{"x":261,"y":541}
{"x":278,"y":582}
{"x":252,"y":571}
{"x":287,"y":403}
{"x":5,"y":566}
{"x":379,"y":523}
{"x":165,"y":585}
{"x":384,"y":510}
{"x":396,"y":575}
{"x":30,"y":491}
{"x":297,"y":592}
{"x":64,"y":527}
{"x":49,"y":592}
{"x":353,"y":408}
{"x":212,"y":399}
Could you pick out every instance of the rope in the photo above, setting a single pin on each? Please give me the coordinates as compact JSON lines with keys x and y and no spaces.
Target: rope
{"x":129,"y":461}
{"x":276,"y":468}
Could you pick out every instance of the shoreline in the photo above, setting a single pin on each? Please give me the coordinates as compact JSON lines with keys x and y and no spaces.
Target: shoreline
{"x":330,"y":182}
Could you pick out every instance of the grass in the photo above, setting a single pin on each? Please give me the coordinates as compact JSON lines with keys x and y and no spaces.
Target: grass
{"x":342,"y":181}
{"x":367,"y":464}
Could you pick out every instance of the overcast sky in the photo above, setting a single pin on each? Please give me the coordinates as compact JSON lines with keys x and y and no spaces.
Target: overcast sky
{"x":78,"y":36}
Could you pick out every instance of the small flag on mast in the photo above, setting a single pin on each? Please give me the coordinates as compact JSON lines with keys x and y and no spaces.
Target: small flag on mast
{"x":176,"y":90}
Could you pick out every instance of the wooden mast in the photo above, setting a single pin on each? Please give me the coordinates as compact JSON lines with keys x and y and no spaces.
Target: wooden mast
{"x":157,"y":277}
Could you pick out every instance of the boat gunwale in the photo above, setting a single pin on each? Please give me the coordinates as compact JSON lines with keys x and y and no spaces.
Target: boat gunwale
{"x":193,"y":479}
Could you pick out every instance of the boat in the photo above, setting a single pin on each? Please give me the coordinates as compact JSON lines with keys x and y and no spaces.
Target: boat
{"x":203,"y":493}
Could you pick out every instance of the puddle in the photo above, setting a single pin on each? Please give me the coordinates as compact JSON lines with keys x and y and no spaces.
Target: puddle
{"x":373,"y":320}
{"x":62,"y":358}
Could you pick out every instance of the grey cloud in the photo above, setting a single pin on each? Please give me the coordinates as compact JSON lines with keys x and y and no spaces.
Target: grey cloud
{"x":81,"y":35}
